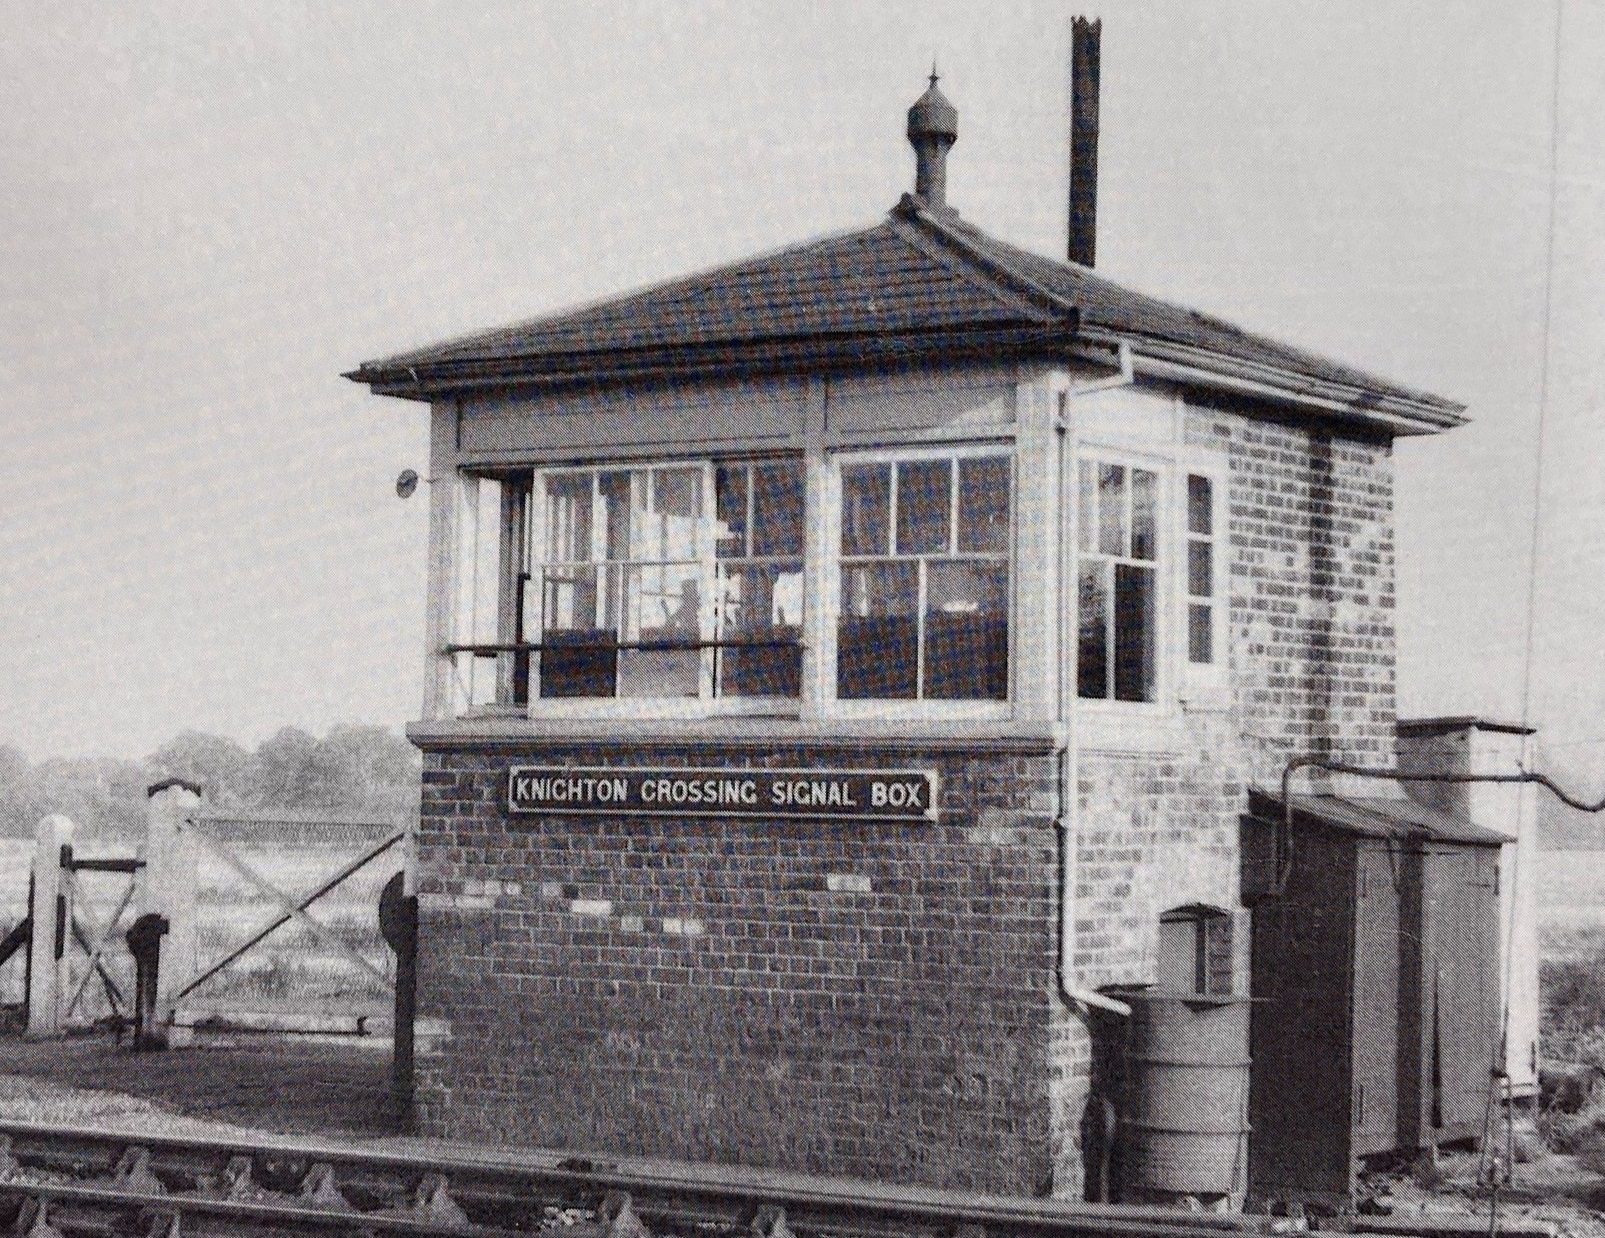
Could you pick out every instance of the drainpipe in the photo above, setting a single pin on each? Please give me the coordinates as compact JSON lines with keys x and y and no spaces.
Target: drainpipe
{"x":1064,"y":823}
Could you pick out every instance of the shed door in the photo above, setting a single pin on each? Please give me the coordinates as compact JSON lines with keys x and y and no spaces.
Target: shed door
{"x":1376,"y":997}
{"x":1464,"y":906}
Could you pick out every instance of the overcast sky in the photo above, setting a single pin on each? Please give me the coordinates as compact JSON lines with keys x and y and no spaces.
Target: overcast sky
{"x":208,"y":211}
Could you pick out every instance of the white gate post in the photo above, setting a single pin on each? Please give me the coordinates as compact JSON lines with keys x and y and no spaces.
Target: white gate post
{"x":52,"y":926}
{"x":171,"y":875}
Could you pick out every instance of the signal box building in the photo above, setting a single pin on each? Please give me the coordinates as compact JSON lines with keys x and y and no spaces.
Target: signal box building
{"x":844,"y":664}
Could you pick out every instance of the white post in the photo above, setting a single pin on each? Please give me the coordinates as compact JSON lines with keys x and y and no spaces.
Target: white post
{"x":171,"y":877}
{"x":52,"y":926}
{"x":453,"y":511}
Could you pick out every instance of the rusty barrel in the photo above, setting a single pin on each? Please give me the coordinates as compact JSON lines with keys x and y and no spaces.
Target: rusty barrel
{"x":1184,"y":1117}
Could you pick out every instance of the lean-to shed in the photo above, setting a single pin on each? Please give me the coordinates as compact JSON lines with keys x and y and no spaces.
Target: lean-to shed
{"x":1375,"y":973}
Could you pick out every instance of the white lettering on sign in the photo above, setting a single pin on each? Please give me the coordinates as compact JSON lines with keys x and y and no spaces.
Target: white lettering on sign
{"x":707,"y":791}
{"x":863,"y":794}
{"x":571,"y":790}
{"x":812,"y":793}
{"x":897,"y":795}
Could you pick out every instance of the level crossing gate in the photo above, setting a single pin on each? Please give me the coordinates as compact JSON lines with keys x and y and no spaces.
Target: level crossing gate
{"x":267,"y":920}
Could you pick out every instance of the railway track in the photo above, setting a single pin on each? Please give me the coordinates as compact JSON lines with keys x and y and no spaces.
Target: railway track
{"x":71,"y":1181}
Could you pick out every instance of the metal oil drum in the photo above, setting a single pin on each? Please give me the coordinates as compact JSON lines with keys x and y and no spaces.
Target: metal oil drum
{"x":1184,"y":1116}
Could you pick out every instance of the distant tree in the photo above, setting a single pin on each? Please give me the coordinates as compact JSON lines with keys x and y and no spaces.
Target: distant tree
{"x":353,"y":767}
{"x":285,"y":771}
{"x":225,"y":772}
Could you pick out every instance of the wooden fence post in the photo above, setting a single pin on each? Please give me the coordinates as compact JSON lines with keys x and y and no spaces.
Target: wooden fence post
{"x":172,"y":872}
{"x":52,"y":921}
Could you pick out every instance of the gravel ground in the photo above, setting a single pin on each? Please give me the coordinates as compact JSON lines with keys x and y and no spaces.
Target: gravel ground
{"x":237,"y":1087}
{"x":39,"y":1100}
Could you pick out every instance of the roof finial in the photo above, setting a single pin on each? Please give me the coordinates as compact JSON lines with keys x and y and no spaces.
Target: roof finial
{"x":933,"y":126}
{"x":934,"y":77}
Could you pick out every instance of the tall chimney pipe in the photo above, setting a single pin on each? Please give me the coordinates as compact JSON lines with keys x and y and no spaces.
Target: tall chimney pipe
{"x":1084,"y":39}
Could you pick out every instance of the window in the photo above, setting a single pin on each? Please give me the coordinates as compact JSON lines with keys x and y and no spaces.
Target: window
{"x":925,"y":578}
{"x":1117,"y":584}
{"x":1200,"y":570}
{"x":668,"y":581}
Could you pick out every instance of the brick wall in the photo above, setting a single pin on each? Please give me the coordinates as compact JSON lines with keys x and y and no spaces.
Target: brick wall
{"x":876,"y":999}
{"x":1312,"y":603}
{"x":858,"y":998}
{"x":1311,"y":671}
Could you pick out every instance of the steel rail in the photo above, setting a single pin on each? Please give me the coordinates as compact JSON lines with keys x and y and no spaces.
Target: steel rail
{"x":289,"y":1217}
{"x":667,"y":1197}
{"x":315,"y":1185}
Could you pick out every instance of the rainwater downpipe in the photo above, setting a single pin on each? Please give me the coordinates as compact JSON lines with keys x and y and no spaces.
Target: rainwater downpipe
{"x":1068,"y":769}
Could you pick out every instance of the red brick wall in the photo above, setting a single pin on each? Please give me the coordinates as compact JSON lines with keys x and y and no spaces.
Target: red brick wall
{"x":1312,"y":593}
{"x":1311,"y":671}
{"x":698,"y":988}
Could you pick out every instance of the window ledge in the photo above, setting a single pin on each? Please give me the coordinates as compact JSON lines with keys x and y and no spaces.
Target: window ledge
{"x":876,"y":734}
{"x":1129,"y":729}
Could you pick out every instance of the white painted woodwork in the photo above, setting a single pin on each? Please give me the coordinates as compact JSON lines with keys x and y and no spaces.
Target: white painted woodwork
{"x":449,"y":509}
{"x":884,"y":407}
{"x":47,"y":974}
{"x":172,"y":877}
{"x":1033,"y":625}
{"x":819,"y":617}
{"x":599,"y":421}
{"x":1135,"y":417}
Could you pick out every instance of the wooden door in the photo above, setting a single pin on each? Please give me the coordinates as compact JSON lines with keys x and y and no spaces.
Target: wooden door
{"x":1463,"y":907}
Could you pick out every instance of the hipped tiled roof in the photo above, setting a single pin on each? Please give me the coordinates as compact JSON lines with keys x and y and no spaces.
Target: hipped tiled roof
{"x":921,"y":284}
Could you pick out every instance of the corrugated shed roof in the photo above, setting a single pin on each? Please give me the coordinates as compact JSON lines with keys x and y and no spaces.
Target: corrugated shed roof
{"x":1377,"y":816}
{"x":920,"y":273}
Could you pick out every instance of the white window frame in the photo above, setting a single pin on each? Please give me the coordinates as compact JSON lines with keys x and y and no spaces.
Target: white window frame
{"x":1165,"y":669}
{"x":831,"y":576}
{"x":1178,"y":680}
{"x":1204,"y":683}
{"x":706,"y":703}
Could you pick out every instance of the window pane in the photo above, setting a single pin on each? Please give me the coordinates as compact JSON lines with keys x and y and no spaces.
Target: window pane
{"x":1144,"y":514}
{"x":924,"y":497}
{"x":676,"y":515}
{"x":967,"y":631}
{"x":613,"y":496}
{"x":730,"y":497}
{"x":1200,"y":634}
{"x":984,"y":505}
{"x":1200,"y":569}
{"x":866,"y":508}
{"x":662,"y":604}
{"x":1134,"y":633}
{"x":577,"y":656}
{"x":1088,"y":515}
{"x":1200,"y":505}
{"x":777,"y":509}
{"x":762,"y":603}
{"x":1092,"y":650}
{"x":568,"y":518}
{"x":877,"y":640}
{"x":1111,"y":509}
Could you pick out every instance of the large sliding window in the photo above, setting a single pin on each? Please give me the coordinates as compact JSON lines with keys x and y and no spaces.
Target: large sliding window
{"x":1118,"y":582}
{"x":667,"y":581}
{"x":925,"y":578}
